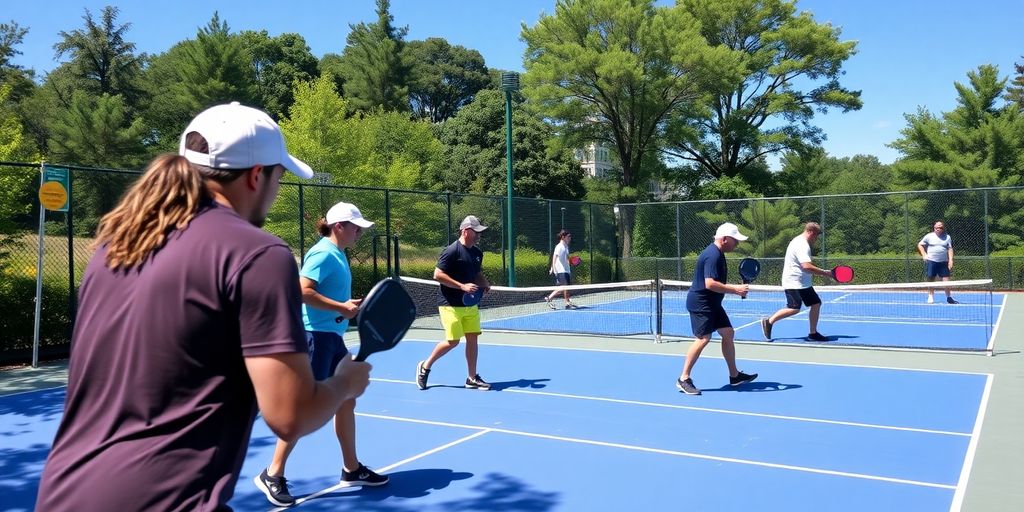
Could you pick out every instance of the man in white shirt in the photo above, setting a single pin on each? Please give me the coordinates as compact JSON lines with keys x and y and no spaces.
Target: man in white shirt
{"x":936,"y":249}
{"x":797,"y":271}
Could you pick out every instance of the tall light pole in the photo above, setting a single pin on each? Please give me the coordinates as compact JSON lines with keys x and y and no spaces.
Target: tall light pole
{"x":510,"y":84}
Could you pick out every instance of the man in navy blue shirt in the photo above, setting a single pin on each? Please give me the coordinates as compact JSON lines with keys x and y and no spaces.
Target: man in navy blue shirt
{"x":459,"y":272}
{"x":704,"y":302}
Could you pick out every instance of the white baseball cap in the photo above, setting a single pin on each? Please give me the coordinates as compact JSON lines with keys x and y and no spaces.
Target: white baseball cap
{"x":729,"y":229}
{"x":240,"y":137}
{"x":471,"y":222}
{"x":347,"y":212}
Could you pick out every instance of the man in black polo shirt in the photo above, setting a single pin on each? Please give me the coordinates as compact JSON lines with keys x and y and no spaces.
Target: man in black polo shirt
{"x":459,"y":272}
{"x":704,"y":302}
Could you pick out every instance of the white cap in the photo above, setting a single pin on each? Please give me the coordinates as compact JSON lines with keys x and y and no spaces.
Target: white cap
{"x":240,"y":137}
{"x":729,"y":229}
{"x":347,"y":212}
{"x":471,"y":222}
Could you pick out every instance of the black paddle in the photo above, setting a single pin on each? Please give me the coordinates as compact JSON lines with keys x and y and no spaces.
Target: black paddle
{"x":749,"y":270}
{"x":385,"y":315}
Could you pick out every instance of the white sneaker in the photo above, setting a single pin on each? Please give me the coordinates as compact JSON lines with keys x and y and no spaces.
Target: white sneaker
{"x":550,"y":304}
{"x":931,"y":300}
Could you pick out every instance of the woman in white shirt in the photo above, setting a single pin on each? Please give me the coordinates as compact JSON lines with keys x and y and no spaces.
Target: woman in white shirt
{"x":560,"y":269}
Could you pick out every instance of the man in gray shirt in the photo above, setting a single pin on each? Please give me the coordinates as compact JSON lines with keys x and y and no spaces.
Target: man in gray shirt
{"x":189,"y":317}
{"x":936,"y":249}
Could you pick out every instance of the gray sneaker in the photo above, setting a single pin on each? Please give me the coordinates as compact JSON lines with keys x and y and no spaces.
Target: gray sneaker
{"x":686,"y":386}
{"x":422,"y":372}
{"x":766,"y":329}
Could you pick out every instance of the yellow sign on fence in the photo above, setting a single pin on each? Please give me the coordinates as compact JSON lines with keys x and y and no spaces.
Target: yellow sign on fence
{"x":53,"y":191}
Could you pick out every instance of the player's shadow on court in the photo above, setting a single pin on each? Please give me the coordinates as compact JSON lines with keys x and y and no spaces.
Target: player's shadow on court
{"x":828,"y":338}
{"x":521,"y":383}
{"x":757,"y":386}
{"x":415,"y":483}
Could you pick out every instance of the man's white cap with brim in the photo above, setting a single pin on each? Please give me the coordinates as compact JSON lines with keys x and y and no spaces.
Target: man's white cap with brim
{"x":240,"y":137}
{"x":729,"y":229}
{"x":471,"y":222}
{"x":347,"y":212}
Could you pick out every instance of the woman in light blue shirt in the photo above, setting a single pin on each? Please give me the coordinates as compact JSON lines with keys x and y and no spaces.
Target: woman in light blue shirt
{"x":326,"y":281}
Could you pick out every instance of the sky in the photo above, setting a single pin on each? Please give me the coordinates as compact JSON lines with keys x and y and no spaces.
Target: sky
{"x":909,"y":52}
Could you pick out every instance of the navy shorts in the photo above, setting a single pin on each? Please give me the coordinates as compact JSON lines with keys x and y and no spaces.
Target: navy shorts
{"x":563,"y":279}
{"x":706,"y":322}
{"x":806,"y":296}
{"x":326,"y":350}
{"x":936,"y":269}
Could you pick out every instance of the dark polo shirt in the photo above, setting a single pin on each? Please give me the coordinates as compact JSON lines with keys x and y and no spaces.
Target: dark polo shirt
{"x":159,"y":403}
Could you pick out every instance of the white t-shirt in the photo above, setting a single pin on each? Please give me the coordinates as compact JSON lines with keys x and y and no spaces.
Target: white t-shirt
{"x":560,"y":259}
{"x":794,"y":276}
{"x":936,"y":247}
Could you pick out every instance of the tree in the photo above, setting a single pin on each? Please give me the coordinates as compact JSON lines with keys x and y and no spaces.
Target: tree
{"x":101,"y":58}
{"x":277,"y":63}
{"x":16,"y":191}
{"x":372,"y":69}
{"x":20,"y":80}
{"x":474,"y":156}
{"x":1015,"y":92}
{"x":980,"y":143}
{"x":443,"y":77}
{"x":613,"y":70}
{"x":777,"y":50}
{"x":196,"y":74}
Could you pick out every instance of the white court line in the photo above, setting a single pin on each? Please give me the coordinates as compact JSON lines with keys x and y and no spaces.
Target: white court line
{"x":692,"y":455}
{"x":995,"y":330}
{"x":972,"y":448}
{"x":385,"y":469}
{"x":712,"y":410}
{"x":714,"y":356}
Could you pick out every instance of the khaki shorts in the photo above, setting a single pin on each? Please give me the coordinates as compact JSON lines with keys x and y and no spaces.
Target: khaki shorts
{"x":458,"y":321}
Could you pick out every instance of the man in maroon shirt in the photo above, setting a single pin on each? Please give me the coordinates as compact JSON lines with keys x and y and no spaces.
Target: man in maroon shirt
{"x":189,"y":317}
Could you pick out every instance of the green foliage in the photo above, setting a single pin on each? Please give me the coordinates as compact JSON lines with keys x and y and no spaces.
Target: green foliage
{"x":16,"y":183}
{"x":17,"y":294}
{"x":1015,"y":91}
{"x":612,"y":70}
{"x":102,"y":60}
{"x":277,"y":63}
{"x":771,"y":48}
{"x":316,"y":130}
{"x":372,"y":69}
{"x":443,"y":78}
{"x":19,"y":79}
{"x":474,"y":153}
{"x":97,"y":131}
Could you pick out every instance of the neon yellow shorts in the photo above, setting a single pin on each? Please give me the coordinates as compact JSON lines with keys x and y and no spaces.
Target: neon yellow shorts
{"x":457,"y":321}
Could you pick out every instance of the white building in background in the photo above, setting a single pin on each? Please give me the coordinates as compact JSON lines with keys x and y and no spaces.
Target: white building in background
{"x":596,"y":159}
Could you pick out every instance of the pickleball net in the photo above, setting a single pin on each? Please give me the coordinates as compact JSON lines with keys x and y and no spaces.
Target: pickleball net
{"x":874,"y":315}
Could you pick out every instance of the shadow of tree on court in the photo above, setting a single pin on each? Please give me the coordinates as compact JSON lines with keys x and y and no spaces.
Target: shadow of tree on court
{"x":757,"y":386}
{"x":521,"y":383}
{"x":20,"y":470}
{"x":43,"y":405}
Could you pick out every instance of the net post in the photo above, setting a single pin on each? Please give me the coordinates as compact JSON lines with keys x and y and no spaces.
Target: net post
{"x":658,"y":309}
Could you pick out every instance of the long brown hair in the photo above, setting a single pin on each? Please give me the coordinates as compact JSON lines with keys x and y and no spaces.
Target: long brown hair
{"x":165,"y":198}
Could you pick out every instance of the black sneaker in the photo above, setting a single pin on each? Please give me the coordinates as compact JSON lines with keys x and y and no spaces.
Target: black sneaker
{"x":742,"y":378}
{"x":766,"y":329}
{"x":276,"y":489}
{"x":422,"y":372}
{"x":477,"y":383}
{"x":570,"y":305}
{"x":363,"y":476}
{"x":686,"y":386}
{"x":816,"y":336}
{"x":951,"y":300}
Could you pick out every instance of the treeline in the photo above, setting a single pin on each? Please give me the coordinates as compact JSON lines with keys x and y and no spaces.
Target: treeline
{"x":694,"y":96}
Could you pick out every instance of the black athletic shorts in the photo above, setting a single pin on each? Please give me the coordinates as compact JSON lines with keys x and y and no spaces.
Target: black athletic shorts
{"x":807,"y":296}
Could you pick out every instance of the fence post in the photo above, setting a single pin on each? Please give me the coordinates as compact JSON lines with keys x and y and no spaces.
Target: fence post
{"x":824,"y":235}
{"x":906,"y":234}
{"x":504,"y":267}
{"x":590,"y":240}
{"x":72,"y":296}
{"x":679,"y":247}
{"x":550,"y":235}
{"x":448,"y":201}
{"x":302,"y":221}
{"x":387,"y":227}
{"x":988,"y":267}
{"x":398,"y":271}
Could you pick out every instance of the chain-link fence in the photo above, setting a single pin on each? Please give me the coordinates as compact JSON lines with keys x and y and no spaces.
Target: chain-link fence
{"x":876,"y":233}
